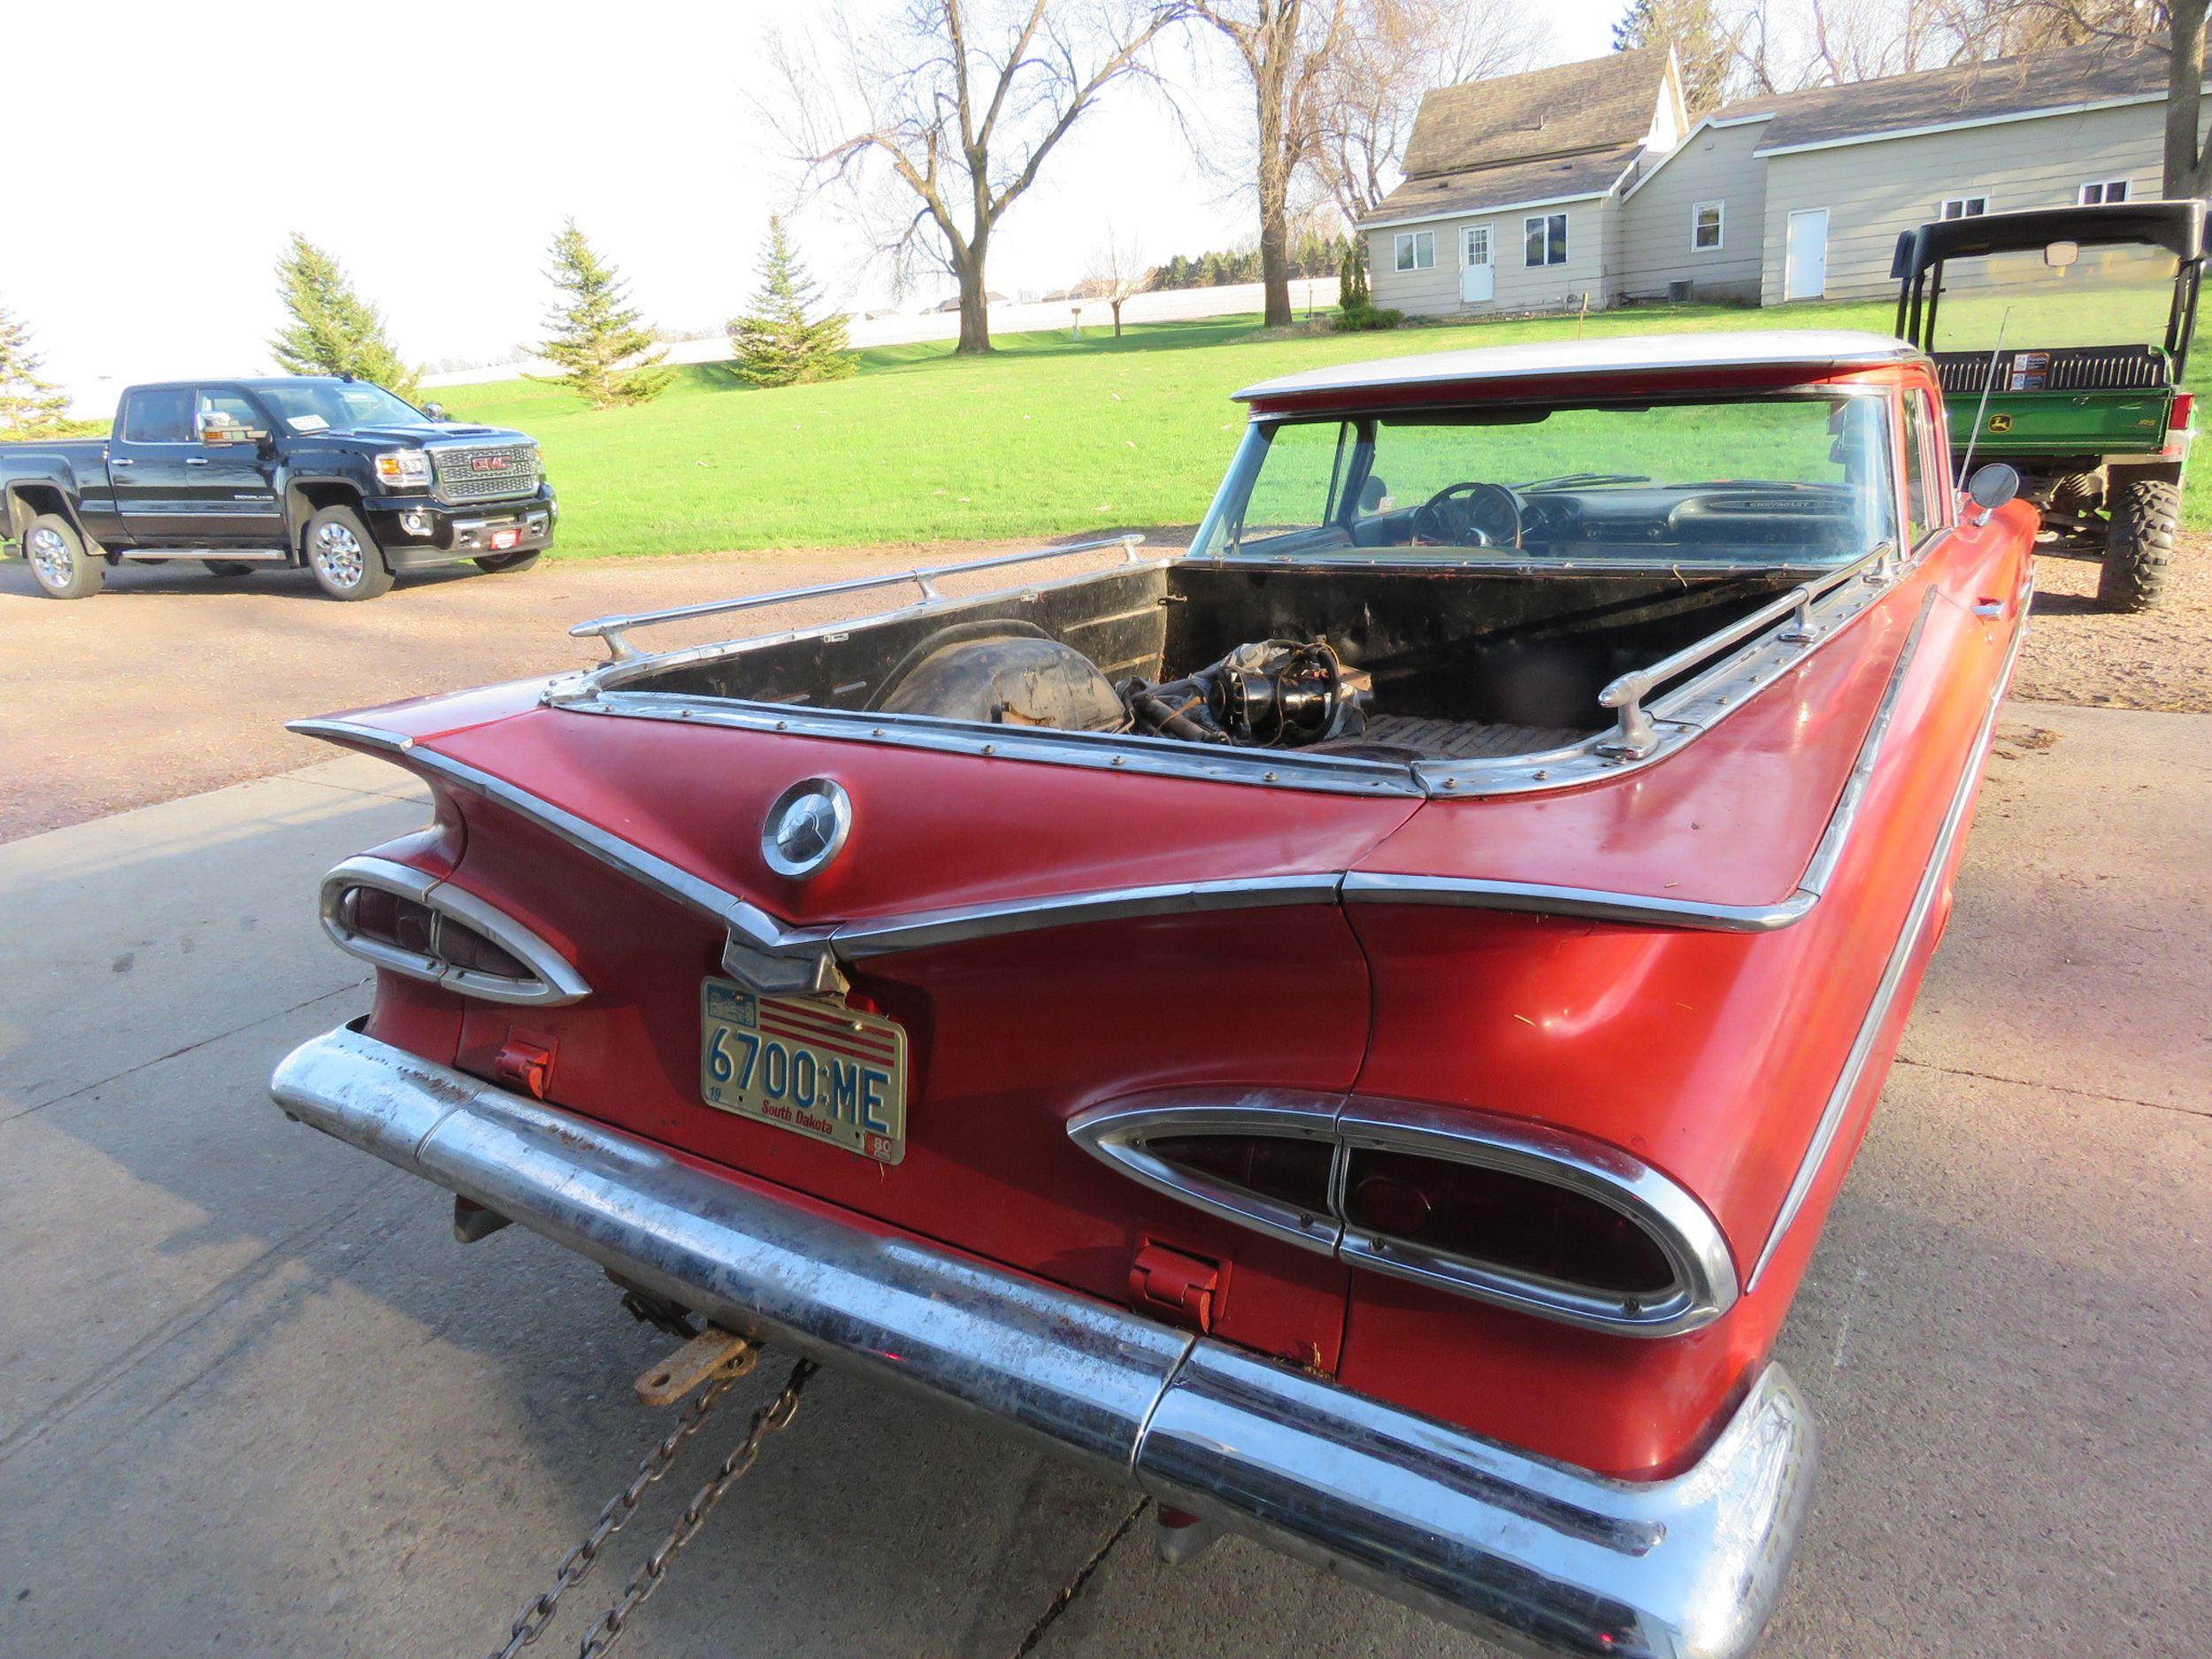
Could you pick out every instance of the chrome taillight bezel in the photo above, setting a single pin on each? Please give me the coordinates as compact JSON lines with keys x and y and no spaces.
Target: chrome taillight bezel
{"x":1704,"y":1285}
{"x":554,"y":980}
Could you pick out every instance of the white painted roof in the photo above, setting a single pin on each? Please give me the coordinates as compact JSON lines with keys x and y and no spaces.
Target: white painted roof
{"x":1814,"y":350}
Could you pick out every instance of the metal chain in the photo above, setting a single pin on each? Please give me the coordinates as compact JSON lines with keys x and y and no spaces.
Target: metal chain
{"x":772,"y":1417}
{"x":530,"y":1623}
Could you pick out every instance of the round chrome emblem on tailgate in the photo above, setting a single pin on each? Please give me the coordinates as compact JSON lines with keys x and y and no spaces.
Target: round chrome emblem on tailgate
{"x":806,"y":825}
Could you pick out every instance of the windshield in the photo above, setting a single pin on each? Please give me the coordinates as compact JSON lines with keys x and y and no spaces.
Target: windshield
{"x":2108,"y":296}
{"x":339,"y":406}
{"x":1775,"y":480}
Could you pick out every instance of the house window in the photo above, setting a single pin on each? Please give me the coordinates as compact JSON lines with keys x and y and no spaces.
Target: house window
{"x":2099,"y":191}
{"x":1963,"y":207}
{"x":1546,"y":239}
{"x":1475,"y":245}
{"x":1416,"y":249}
{"x":1705,"y":226}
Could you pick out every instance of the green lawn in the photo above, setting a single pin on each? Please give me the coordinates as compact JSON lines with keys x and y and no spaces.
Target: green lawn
{"x":1046,"y":438}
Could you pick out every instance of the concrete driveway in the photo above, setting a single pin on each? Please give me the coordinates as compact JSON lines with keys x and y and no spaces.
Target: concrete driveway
{"x":253,"y":1400}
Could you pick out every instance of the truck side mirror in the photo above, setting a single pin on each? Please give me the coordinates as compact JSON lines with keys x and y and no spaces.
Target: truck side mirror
{"x":2059,"y":254}
{"x":434,"y":411}
{"x":1991,"y":486}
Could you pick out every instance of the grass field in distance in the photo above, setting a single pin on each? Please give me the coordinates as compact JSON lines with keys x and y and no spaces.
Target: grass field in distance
{"x":1049,"y":437}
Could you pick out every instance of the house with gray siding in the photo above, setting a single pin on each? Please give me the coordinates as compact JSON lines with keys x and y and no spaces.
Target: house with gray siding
{"x":1588,"y":185}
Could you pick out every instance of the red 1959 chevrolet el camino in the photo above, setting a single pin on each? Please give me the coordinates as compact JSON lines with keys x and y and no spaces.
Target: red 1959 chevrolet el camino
{"x":1352,"y":1031}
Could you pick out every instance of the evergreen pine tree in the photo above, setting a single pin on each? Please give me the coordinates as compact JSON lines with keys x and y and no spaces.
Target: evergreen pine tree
{"x":1701,"y":44}
{"x":333,"y":330}
{"x":603,"y":353}
{"x":773,"y":342}
{"x":29,"y":407}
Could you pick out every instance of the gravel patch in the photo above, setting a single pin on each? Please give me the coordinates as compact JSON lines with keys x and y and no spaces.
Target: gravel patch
{"x":2160,"y":659}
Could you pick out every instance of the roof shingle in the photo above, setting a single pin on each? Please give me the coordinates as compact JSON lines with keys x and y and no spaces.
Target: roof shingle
{"x":1601,"y":103}
{"x":1934,"y":97}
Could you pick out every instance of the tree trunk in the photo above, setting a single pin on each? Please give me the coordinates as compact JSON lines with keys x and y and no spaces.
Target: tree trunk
{"x":975,"y":309}
{"x":1116,"y":306}
{"x":1275,"y":260}
{"x":2185,"y":170}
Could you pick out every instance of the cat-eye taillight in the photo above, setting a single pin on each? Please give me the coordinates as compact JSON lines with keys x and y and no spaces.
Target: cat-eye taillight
{"x":413,"y":923}
{"x":1489,"y":1207}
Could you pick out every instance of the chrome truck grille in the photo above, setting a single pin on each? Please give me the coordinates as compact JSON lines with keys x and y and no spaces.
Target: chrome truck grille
{"x":486,"y":472}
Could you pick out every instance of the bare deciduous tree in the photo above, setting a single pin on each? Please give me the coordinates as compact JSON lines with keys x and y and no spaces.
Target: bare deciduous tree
{"x":952,"y":106}
{"x":1391,"y":53}
{"x":1286,"y":47}
{"x":1117,"y":271}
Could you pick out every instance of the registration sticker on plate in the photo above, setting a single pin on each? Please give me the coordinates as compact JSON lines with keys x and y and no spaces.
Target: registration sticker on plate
{"x":805,"y":1064}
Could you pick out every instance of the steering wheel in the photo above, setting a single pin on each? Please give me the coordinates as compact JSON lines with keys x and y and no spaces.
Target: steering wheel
{"x":1470,"y":515}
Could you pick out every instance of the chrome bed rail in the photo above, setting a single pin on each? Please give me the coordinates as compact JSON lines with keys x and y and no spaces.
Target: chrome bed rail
{"x":612,"y":629}
{"x":1635,"y":736}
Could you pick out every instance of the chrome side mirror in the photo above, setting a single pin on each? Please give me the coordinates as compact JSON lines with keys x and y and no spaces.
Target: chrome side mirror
{"x":1991,"y":486}
{"x":435,"y":411}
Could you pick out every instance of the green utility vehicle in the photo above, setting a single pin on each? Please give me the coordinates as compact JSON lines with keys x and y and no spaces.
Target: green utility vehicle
{"x":2061,"y":334}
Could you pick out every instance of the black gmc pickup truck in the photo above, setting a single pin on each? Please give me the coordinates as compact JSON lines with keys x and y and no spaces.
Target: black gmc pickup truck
{"x":332,"y":473}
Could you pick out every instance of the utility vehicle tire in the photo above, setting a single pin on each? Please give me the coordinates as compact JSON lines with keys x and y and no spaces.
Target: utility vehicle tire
{"x":346,"y":560}
{"x":2139,"y":548}
{"x":63,"y":564}
{"x":509,"y":561}
{"x":227,"y":567}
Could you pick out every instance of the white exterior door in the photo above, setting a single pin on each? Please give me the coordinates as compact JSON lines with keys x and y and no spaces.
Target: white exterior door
{"x":1805,"y":274}
{"x":1478,"y":280}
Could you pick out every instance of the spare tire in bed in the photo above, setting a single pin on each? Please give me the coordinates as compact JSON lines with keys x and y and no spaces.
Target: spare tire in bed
{"x":1009,"y":678}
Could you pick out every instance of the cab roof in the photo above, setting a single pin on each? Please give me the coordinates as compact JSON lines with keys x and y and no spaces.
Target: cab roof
{"x":1812,"y":351}
{"x":2176,"y":226}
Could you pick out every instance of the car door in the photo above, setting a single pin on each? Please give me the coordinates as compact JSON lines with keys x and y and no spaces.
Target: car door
{"x":230,"y":501}
{"x":146,"y":465}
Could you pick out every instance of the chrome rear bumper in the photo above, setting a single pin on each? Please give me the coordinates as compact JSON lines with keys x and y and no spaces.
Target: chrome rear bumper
{"x":1542,"y":1556}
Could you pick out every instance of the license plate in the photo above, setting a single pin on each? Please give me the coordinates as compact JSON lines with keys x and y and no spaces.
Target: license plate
{"x":805,"y":1064}
{"x":507,"y":538}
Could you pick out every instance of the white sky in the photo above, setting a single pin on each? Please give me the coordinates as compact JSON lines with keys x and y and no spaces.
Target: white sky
{"x":435,"y":148}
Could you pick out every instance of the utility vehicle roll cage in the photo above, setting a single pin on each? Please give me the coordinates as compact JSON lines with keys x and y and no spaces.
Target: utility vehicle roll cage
{"x":2176,"y":226}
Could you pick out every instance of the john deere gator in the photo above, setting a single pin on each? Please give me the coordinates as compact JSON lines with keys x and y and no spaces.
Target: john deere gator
{"x":2060,"y":335}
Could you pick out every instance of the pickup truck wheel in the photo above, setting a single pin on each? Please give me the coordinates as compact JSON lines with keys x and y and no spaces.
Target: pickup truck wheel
{"x":227,"y":567}
{"x":2138,"y":550}
{"x":344,"y":557}
{"x":509,"y":561}
{"x":60,"y":563}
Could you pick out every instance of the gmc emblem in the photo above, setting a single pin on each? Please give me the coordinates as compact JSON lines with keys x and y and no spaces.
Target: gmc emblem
{"x":487,"y":464}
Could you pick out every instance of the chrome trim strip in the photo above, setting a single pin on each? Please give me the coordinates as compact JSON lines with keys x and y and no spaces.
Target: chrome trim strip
{"x":1387,"y":888}
{"x":1491,"y":1539}
{"x":1102,"y":751}
{"x":760,"y":930}
{"x":1863,"y":1046}
{"x":918,"y":930}
{"x":557,"y":983}
{"x":1705,"y":1284}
